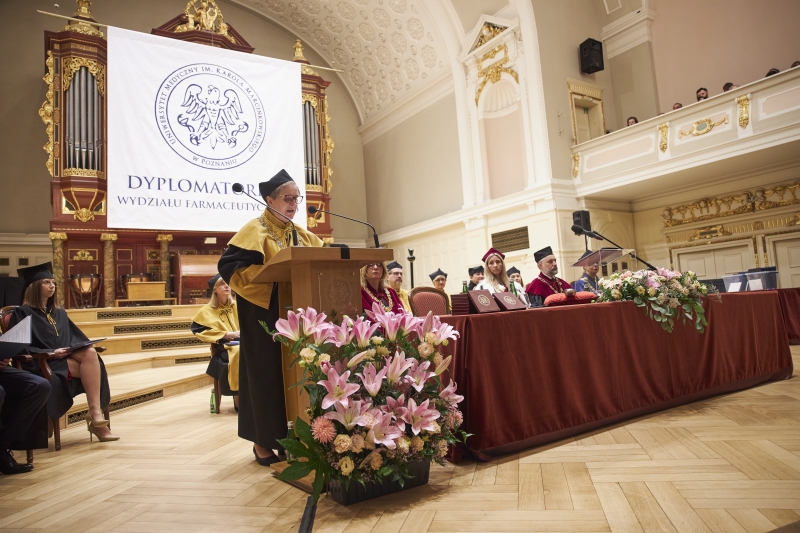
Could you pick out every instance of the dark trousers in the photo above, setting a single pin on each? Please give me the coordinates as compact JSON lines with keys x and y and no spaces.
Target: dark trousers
{"x":22,"y":396}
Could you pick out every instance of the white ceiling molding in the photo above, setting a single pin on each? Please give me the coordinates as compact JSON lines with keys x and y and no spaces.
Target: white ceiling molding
{"x":407,"y":107}
{"x":25,"y":239}
{"x":629,"y":31}
{"x":387,"y":48}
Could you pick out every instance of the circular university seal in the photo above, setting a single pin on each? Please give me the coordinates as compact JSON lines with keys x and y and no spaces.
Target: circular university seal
{"x":210,"y":116}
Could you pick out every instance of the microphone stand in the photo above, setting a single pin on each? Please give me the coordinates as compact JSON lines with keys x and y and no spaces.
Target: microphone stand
{"x":314,"y":210}
{"x":411,"y":259}
{"x":240,"y":189}
{"x":650,"y":267}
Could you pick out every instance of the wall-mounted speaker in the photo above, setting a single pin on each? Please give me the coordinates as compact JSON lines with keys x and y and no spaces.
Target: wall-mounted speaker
{"x":581,"y":218}
{"x":591,"y":54}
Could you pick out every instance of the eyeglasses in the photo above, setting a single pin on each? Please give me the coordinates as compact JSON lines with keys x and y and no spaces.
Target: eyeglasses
{"x":375,"y":265}
{"x":293,"y":199}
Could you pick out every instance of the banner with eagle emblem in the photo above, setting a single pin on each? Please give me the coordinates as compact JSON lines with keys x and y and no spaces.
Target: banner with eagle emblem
{"x":187,"y":121}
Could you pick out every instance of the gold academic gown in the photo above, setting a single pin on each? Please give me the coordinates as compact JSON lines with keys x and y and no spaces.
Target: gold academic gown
{"x":262,"y":409}
{"x":403,"y":295}
{"x":214,"y":323}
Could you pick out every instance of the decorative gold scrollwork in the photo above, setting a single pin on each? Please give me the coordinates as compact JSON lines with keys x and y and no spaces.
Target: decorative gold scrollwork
{"x":663,"y":130}
{"x":83,"y":255}
{"x":205,"y":17}
{"x":46,"y":113}
{"x":493,"y":72}
{"x":84,"y":173}
{"x":84,"y":27}
{"x":84,"y":215}
{"x":488,"y":32}
{"x":701,"y":127}
{"x":74,"y":64}
{"x":744,"y":111}
{"x":576,"y":164}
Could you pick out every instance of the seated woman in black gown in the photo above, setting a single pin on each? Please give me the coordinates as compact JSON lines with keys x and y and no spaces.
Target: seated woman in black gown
{"x":74,"y":372}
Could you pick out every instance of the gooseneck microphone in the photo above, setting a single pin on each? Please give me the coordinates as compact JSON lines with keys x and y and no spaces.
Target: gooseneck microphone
{"x":577,"y":230}
{"x":237,"y":187}
{"x":313,"y":210}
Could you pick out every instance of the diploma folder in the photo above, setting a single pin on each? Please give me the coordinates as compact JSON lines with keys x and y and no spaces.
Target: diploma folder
{"x":508,"y":302}
{"x":16,"y":339}
{"x":482,"y":302}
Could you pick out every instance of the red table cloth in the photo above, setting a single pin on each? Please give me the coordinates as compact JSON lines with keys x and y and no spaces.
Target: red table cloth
{"x":790,"y":305}
{"x":537,"y":376}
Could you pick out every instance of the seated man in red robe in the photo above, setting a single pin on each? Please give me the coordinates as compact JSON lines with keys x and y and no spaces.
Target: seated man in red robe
{"x":546,"y":283}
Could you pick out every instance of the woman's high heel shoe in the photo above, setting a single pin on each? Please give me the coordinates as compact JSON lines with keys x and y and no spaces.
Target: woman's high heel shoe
{"x":93,"y":425}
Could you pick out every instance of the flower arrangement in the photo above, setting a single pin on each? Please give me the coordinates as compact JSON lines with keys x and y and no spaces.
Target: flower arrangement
{"x":377,"y":401}
{"x":664,"y":294}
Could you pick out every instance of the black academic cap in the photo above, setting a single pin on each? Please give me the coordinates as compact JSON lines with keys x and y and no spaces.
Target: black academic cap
{"x":35,"y":273}
{"x":475,"y":270}
{"x":212,"y":282}
{"x":541,"y":254}
{"x":437,"y":274}
{"x":512,"y":270}
{"x":265,"y":188}
{"x":393,"y":265}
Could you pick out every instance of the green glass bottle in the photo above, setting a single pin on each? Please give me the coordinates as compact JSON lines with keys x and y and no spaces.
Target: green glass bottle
{"x":464,"y":288}
{"x":290,"y":435}
{"x":213,"y":402}
{"x":513,"y":287}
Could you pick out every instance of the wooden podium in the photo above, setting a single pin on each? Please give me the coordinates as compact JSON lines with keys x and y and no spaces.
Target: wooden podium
{"x":326,"y":279}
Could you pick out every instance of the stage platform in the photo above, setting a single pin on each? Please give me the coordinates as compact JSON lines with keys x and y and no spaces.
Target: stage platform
{"x":151,"y":353}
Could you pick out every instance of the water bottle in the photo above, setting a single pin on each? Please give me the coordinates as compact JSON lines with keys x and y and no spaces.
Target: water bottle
{"x":213,"y":402}
{"x":464,"y":288}
{"x":513,"y":287}
{"x":290,"y":435}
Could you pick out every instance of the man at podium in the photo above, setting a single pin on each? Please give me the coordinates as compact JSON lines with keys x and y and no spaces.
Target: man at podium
{"x":262,"y":414}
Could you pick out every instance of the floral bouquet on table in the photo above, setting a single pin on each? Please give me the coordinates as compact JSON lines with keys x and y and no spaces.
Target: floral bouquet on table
{"x":377,"y":400}
{"x":664,"y":294}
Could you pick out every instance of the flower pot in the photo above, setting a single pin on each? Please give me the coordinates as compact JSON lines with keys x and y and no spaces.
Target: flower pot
{"x":358,"y":493}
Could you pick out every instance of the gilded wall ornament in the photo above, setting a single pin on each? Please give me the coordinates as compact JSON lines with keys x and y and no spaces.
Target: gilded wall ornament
{"x":488,"y":32}
{"x":701,"y":127}
{"x":576,"y":164}
{"x":74,"y":64}
{"x":744,"y":111}
{"x":204,"y":15}
{"x":84,"y":27}
{"x":663,"y":130}
{"x":493,"y":72}
{"x":46,"y":114}
{"x":83,"y":255}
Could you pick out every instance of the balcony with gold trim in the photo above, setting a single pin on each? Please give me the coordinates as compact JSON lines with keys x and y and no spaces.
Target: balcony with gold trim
{"x":751,"y":129}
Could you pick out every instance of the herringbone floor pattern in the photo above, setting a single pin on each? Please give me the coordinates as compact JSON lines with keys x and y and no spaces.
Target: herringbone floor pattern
{"x":728,"y":464}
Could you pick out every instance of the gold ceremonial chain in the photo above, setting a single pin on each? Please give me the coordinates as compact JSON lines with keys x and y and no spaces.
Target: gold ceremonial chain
{"x":268,"y":226}
{"x":375,"y":298}
{"x":558,"y":288}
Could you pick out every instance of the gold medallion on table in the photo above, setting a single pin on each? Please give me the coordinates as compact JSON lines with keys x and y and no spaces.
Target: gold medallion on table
{"x":509,"y":299}
{"x":484,"y":300}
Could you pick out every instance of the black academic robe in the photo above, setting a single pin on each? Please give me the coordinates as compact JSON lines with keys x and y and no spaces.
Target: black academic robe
{"x":471,"y":285}
{"x":262,"y":407}
{"x":46,"y":338}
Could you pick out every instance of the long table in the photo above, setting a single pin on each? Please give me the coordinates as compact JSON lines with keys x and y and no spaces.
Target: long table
{"x":790,"y":305}
{"x":537,"y":376}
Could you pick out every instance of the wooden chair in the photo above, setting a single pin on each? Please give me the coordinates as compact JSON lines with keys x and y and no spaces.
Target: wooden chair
{"x":424,"y":299}
{"x":53,"y":427}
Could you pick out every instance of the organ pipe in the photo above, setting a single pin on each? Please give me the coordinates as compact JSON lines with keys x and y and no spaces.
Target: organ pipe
{"x":84,"y":129}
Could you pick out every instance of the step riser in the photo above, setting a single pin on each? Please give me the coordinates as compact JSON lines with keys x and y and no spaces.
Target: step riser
{"x":122,"y":344}
{"x":111,"y":314}
{"x":113,"y":368}
{"x":115,"y":328}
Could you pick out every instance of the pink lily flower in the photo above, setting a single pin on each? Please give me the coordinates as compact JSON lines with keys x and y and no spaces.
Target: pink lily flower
{"x":357,"y":359}
{"x":427,"y":325}
{"x":441,"y":367}
{"x":398,"y":409}
{"x":419,"y":374}
{"x":289,"y":327}
{"x":383,"y":432}
{"x":390,"y":323}
{"x":350,"y":416}
{"x":338,"y":388}
{"x":340,"y":366}
{"x":322,"y":333}
{"x":311,"y":319}
{"x":397,"y":366}
{"x":449,"y":394}
{"x":342,"y":334}
{"x":444,"y":332}
{"x":419,"y":417}
{"x":363,"y":332}
{"x":372,"y":380}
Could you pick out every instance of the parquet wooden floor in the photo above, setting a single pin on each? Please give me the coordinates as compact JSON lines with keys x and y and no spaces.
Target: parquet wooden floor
{"x":728,"y":464}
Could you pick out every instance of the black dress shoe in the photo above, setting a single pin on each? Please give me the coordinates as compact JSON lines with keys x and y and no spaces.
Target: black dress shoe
{"x":9,"y":466}
{"x":265,"y":461}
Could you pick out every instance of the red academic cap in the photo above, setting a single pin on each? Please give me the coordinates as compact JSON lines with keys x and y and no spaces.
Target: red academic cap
{"x":492,"y":251}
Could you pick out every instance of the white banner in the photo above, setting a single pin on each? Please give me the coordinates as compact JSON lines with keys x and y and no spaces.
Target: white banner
{"x":185,"y":122}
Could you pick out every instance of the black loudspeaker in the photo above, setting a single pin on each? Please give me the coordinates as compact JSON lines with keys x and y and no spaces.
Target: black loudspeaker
{"x":581,"y":218}
{"x":591,"y":53}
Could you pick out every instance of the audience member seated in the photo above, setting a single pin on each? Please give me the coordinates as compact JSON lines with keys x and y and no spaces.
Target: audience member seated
{"x":217,"y":323}
{"x":772,"y":72}
{"x":373,"y":277}
{"x":74,"y":371}
{"x":546,"y":283}
{"x":22,"y":396}
{"x":439,"y":280}
{"x":632,"y":121}
{"x":394,"y":280}
{"x":729,"y":87}
{"x":795,"y":64}
{"x":497,"y":279}
{"x":475,"y":277}
{"x":514,"y":274}
{"x":588,"y":281}
{"x":677,"y":105}
{"x":702,"y":94}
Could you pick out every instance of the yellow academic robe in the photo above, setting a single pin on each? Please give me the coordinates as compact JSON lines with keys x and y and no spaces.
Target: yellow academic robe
{"x":219,"y":321}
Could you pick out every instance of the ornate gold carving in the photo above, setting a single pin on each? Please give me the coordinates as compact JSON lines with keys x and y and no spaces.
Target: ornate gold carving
{"x":83,"y":255}
{"x":84,"y":173}
{"x":663,"y":130}
{"x":493,"y":72}
{"x":74,"y":64}
{"x":299,"y":56}
{"x":488,"y":32}
{"x":709,"y":232}
{"x":108,"y":236}
{"x":576,"y":164}
{"x":701,"y":127}
{"x":85,"y":28}
{"x":311,"y":98}
{"x":84,"y":215}
{"x":312,"y":222}
{"x":56,"y":236}
{"x":162,"y":237}
{"x":781,"y":191}
{"x":327,"y":147}
{"x":109,"y":285}
{"x":205,"y":17}
{"x":744,"y":110}
{"x":164,"y":240}
{"x":585,"y":91}
{"x":313,"y":188}
{"x":46,"y":114}
{"x":58,"y":239}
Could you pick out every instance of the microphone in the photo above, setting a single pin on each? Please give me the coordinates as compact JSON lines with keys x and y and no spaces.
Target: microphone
{"x":313,"y":210}
{"x":649,"y":266}
{"x":237,"y":187}
{"x":580,"y":231}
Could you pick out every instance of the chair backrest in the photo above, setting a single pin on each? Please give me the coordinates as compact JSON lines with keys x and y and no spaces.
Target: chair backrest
{"x":5,"y":317}
{"x":424,"y":299}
